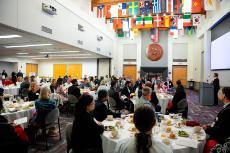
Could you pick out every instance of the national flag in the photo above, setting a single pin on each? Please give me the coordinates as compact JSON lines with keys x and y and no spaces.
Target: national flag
{"x":122,"y":9}
{"x":117,"y":24}
{"x":187,"y":6}
{"x":154,"y":35}
{"x":166,"y":21}
{"x":175,"y":35}
{"x":171,"y":31}
{"x":187,"y":20}
{"x":177,"y":6}
{"x":114,"y":11}
{"x":169,"y":6}
{"x":148,"y":22}
{"x":196,"y":18}
{"x":139,"y":22}
{"x":144,"y":7}
{"x":209,"y":5}
{"x":156,"y":6}
{"x":120,"y":33}
{"x":173,"y":21}
{"x":100,"y":11}
{"x":157,"y":21}
{"x":107,"y":11}
{"x":197,"y":6}
{"x":133,"y":8}
{"x":181,"y":6}
{"x":132,"y":23}
{"x":125,"y":23}
{"x":180,"y":23}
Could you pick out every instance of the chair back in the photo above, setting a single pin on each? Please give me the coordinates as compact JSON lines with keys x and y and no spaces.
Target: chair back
{"x":112,"y":103}
{"x":52,"y":116}
{"x":25,"y":92}
{"x":182,"y":105}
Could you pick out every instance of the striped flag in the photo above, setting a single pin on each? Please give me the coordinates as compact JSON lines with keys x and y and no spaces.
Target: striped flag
{"x":169,"y":6}
{"x":187,"y":20}
{"x":122,"y":9}
{"x":148,"y":22}
{"x":139,"y":22}
{"x":176,"y":4}
{"x":120,"y":33}
{"x":154,"y":34}
{"x":133,"y":8}
{"x":100,"y":11}
{"x":156,"y":5}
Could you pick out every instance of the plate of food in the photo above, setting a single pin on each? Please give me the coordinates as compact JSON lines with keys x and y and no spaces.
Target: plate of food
{"x":114,"y":134}
{"x":166,"y":141}
{"x":198,"y":137}
{"x":168,"y":129}
{"x":172,"y":136}
{"x":182,"y":133}
{"x":132,"y":129}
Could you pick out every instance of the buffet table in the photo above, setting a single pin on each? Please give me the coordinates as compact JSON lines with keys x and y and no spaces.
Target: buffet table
{"x":193,"y":143}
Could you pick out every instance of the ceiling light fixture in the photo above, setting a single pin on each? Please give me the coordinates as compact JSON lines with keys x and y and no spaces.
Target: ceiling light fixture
{"x":22,"y":53}
{"x":67,"y":55}
{"x":9,"y":36}
{"x":59,"y":52}
{"x":32,"y":45}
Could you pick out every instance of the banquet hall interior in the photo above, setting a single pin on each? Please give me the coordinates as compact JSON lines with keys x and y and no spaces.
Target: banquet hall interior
{"x":114,"y":76}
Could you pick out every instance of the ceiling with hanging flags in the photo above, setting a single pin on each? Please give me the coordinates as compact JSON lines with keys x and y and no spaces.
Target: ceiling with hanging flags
{"x":180,"y":17}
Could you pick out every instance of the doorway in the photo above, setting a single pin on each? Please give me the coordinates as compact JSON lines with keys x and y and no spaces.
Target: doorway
{"x":179,"y":73}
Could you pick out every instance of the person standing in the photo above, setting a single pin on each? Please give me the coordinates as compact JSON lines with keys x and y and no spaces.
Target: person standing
{"x":4,"y":74}
{"x":216,"y":84}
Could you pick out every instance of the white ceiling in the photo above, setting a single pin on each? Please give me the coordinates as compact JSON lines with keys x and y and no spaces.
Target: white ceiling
{"x":34,"y":52}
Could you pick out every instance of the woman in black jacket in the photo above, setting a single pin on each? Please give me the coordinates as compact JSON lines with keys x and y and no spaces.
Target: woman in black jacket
{"x":86,"y":131}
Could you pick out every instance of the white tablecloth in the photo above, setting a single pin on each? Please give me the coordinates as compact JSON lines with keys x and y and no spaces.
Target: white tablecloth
{"x":13,"y":90}
{"x":109,"y":144}
{"x":20,"y":114}
{"x":164,"y":100}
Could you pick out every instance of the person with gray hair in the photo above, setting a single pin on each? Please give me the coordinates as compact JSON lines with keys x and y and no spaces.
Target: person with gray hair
{"x":145,"y":99}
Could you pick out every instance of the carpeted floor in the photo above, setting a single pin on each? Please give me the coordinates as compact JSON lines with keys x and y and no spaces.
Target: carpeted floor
{"x":197,"y":112}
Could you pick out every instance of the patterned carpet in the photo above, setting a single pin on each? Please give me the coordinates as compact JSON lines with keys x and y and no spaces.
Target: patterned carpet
{"x":197,"y":112}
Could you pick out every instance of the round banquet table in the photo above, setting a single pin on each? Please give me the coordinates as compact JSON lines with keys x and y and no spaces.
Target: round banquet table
{"x":13,"y":90}
{"x":164,"y":100}
{"x":20,"y":114}
{"x":109,"y":144}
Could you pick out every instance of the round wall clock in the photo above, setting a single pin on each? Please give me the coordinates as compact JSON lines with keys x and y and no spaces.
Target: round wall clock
{"x":154,"y":52}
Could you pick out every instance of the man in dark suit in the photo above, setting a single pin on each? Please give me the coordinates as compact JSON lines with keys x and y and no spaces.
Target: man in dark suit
{"x":220,"y":129}
{"x":102,"y":108}
{"x":126,"y":91}
{"x":216,"y":84}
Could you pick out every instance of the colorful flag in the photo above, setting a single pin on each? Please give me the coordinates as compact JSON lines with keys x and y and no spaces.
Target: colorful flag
{"x":196,"y":18}
{"x":154,"y":35}
{"x":156,"y":6}
{"x":180,"y":23}
{"x":107,"y":11}
{"x":157,"y":20}
{"x":175,"y":34}
{"x":171,"y":31}
{"x":144,"y":7}
{"x":133,"y":8}
{"x":177,"y":8}
{"x":139,"y":22}
{"x":169,"y":6}
{"x":132,"y":23}
{"x":120,"y":33}
{"x":173,"y":21}
{"x":197,"y":6}
{"x":166,"y":21}
{"x":148,"y":22}
{"x":117,"y":24}
{"x":181,"y":6}
{"x":187,"y":6}
{"x":187,"y":20}
{"x":114,"y":11}
{"x":125,"y":23}
{"x":100,"y":11}
{"x":122,"y":9}
{"x":209,"y":5}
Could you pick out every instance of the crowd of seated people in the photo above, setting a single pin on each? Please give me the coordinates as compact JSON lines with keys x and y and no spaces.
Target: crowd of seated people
{"x":90,"y":112}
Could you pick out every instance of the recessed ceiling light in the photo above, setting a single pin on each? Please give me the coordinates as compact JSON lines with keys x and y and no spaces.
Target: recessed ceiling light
{"x":9,"y":36}
{"x":59,"y":52}
{"x":68,"y":55}
{"x":22,"y":53}
{"x":32,"y":45}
